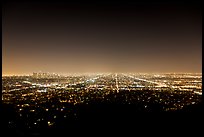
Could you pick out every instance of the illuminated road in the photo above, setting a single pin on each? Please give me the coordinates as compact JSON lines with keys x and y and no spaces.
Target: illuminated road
{"x":116,"y":82}
{"x":152,"y":82}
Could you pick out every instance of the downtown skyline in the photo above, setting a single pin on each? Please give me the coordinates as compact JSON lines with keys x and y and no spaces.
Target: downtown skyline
{"x":99,"y":37}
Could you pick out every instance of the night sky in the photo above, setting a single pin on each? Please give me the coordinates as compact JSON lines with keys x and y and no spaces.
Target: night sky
{"x":101,"y":37}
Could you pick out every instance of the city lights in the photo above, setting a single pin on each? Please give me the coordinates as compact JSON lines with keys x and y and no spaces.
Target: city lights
{"x":173,"y":91}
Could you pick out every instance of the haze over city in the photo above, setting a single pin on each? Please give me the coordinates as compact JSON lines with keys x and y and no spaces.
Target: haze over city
{"x":85,"y":67}
{"x":101,"y":37}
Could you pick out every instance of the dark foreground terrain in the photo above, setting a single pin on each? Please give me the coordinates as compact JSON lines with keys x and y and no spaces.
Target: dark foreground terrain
{"x":101,"y":117}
